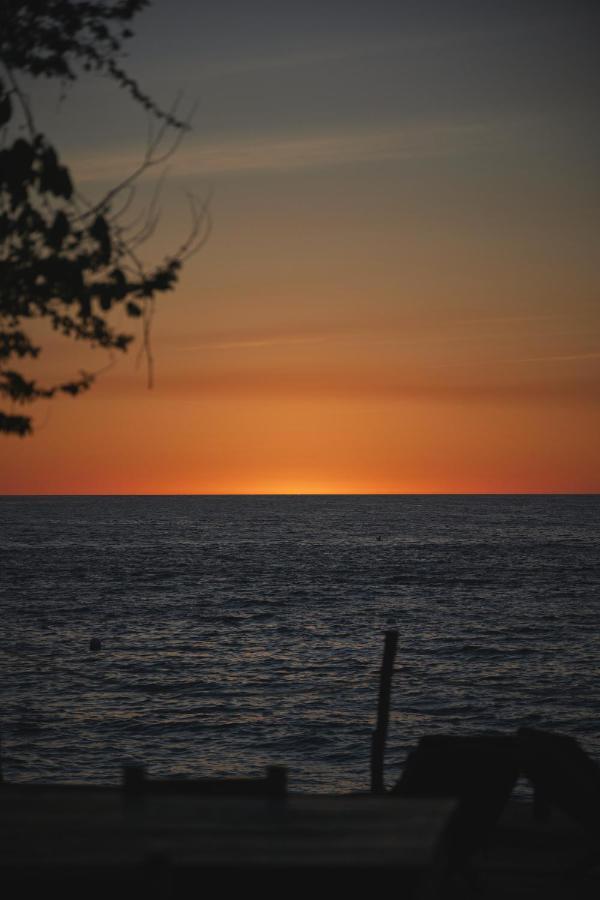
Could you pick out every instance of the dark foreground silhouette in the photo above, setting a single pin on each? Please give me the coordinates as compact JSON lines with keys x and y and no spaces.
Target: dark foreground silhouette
{"x":448,"y":827}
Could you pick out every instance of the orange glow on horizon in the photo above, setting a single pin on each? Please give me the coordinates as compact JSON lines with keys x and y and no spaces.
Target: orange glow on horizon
{"x":156,"y":442}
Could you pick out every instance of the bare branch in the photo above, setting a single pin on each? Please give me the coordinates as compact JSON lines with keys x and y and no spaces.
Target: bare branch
{"x":64,"y":258}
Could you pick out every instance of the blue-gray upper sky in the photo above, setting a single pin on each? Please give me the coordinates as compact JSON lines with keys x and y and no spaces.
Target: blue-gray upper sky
{"x":287,"y":68}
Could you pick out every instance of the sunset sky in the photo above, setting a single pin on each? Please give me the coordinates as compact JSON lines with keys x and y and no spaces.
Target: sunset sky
{"x":401,"y":288}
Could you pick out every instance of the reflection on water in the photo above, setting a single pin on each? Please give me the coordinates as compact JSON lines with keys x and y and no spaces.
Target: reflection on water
{"x":242,"y":631}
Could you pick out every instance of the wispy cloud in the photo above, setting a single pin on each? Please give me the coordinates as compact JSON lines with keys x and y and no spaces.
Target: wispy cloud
{"x":403,"y":336}
{"x":339,"y":53}
{"x":381,"y":388}
{"x":259,"y":343}
{"x":565,"y":357}
{"x":338,"y":50}
{"x":234,"y":339}
{"x":372,"y":386}
{"x":287,"y":153}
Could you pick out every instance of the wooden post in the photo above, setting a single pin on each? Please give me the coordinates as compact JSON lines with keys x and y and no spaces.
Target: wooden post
{"x":133,"y":784}
{"x":276,"y":781}
{"x":383,"y":712}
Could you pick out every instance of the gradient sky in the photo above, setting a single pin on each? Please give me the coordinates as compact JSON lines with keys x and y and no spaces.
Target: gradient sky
{"x":400,"y":292}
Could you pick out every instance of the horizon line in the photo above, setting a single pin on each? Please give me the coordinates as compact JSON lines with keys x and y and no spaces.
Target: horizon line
{"x":592,"y":493}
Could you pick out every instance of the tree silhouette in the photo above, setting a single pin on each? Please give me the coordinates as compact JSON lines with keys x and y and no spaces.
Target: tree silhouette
{"x":63,"y":259}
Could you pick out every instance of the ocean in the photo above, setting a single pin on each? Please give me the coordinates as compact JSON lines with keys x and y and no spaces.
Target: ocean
{"x":243,"y":631}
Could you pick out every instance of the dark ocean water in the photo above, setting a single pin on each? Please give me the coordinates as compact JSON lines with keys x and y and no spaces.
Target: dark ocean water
{"x":242,"y":631}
